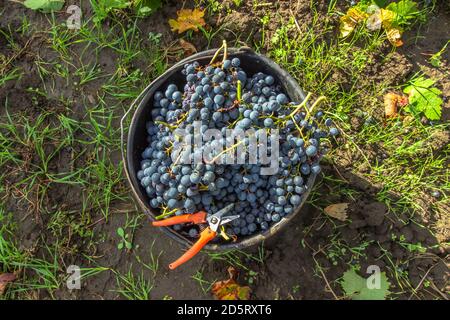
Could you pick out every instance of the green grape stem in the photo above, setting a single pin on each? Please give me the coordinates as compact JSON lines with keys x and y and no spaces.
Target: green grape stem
{"x":166,"y":124}
{"x":301,"y":105}
{"x":239,"y":90}
{"x":224,"y":46}
{"x":166,"y":214}
{"x":225,"y":151}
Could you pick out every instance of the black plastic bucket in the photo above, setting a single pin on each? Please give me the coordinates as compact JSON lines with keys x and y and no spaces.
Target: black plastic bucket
{"x":252,"y":63}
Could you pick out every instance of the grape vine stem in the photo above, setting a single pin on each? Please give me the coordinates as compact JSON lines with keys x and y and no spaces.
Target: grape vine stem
{"x":165,"y":214}
{"x":224,"y":46}
{"x":301,"y":105}
{"x":225,"y":51}
{"x":224,"y":151}
{"x":315,"y":104}
{"x":239,"y":90}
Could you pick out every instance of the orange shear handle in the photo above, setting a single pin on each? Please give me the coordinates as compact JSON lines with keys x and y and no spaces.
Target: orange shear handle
{"x":199,"y":217}
{"x":206,"y":236}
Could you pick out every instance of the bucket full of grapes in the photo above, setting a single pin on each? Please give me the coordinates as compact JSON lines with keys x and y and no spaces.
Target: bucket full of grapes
{"x":221,"y":127}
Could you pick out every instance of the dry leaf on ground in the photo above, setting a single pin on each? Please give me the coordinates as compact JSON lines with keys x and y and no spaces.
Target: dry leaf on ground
{"x":380,"y":18}
{"x":6,"y":278}
{"x":187,"y":19}
{"x":394,"y":36}
{"x":337,"y":211}
{"x":374,"y":22}
{"x":349,"y":21}
{"x":188,"y":48}
{"x":391,"y":103}
{"x":229,"y":289}
{"x":387,"y":18}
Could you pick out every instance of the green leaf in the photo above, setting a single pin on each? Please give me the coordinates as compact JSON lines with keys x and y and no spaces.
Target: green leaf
{"x":120,"y":246}
{"x":356,"y":287}
{"x":380,"y":3}
{"x":120,"y":232}
{"x":423,"y":98}
{"x":128,"y":245}
{"x":147,"y":7}
{"x":436,"y":59}
{"x":144,"y":10}
{"x":405,"y":10}
{"x":352,"y":282}
{"x":103,"y":7}
{"x":44,"y":5}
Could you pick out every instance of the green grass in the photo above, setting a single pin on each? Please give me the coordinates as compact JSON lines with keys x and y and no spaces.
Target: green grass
{"x":55,"y":147}
{"x":153,"y":264}
{"x":32,"y":273}
{"x":134,"y":287}
{"x":237,"y":257}
{"x":204,"y":284}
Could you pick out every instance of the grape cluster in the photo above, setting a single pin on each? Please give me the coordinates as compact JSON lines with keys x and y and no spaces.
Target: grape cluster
{"x":211,"y":95}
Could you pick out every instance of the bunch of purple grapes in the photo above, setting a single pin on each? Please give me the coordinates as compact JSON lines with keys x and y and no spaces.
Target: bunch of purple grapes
{"x":211,"y":95}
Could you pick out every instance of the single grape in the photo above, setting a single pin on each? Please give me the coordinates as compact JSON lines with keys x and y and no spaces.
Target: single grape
{"x":315,"y":168}
{"x":269,"y":80}
{"x":276,"y":217}
{"x":193,"y":233}
{"x":334,"y":131}
{"x":177,"y":96}
{"x":158,"y":96}
{"x":311,"y":151}
{"x":268,"y":123}
{"x":190,"y":69}
{"x":219,"y":99}
{"x":254,"y":115}
{"x":186,"y":180}
{"x":282,"y":99}
{"x":252,"y":227}
{"x":295,"y":200}
{"x":235,"y":62}
{"x":436,"y":194}
{"x":226,"y":64}
{"x":305,"y":169}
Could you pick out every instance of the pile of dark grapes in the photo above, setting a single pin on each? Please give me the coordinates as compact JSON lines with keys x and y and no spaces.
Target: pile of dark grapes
{"x":210,"y":96}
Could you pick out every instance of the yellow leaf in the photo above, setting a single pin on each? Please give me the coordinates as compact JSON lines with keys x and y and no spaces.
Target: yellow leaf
{"x":357,"y":14}
{"x":229,"y":289}
{"x":387,"y":18}
{"x":346,"y":26}
{"x":394,"y":36}
{"x":349,"y":21}
{"x":188,"y":19}
{"x":337,"y":210}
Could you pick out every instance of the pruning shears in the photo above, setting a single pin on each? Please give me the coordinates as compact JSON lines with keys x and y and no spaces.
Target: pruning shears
{"x":214,"y":221}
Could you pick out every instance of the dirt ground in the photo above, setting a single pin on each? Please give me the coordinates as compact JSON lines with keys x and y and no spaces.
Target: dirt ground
{"x":304,"y":261}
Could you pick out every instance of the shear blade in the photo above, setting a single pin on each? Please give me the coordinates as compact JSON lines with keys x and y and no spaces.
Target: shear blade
{"x":224,"y":211}
{"x":228,"y":219}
